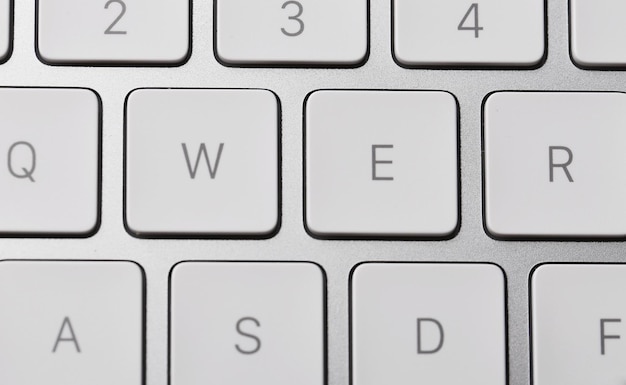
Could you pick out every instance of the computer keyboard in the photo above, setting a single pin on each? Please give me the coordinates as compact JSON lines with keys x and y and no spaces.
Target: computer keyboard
{"x":312,"y":192}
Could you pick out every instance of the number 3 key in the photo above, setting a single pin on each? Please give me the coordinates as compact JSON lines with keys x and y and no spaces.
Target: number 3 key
{"x":291,"y":32}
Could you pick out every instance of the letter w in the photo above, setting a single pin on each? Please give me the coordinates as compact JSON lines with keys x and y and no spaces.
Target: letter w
{"x":203,"y":152}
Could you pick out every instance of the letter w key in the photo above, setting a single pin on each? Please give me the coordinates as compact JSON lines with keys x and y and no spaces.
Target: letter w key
{"x":202,"y":151}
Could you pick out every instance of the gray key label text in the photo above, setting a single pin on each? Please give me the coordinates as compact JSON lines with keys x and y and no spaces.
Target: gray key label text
{"x":603,"y":336}
{"x":27,"y":167}
{"x":429,"y":335}
{"x":257,"y":340}
{"x":553,"y":150}
{"x":202,"y":152}
{"x":66,"y":329}
{"x":376,"y":161}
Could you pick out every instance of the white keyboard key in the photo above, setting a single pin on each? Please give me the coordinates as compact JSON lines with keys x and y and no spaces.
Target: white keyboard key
{"x":113,"y":31}
{"x":247,"y":323}
{"x":6,"y":11}
{"x":579,"y":324}
{"x":555,"y":164}
{"x":486,"y":33}
{"x":49,"y":142}
{"x":428,"y":324}
{"x":314,"y":32}
{"x":381,"y":163}
{"x":71,"y":323}
{"x":598,"y":32}
{"x":202,"y":162}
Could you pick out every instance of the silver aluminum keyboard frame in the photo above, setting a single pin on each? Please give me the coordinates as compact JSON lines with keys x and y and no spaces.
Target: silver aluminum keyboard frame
{"x":337,"y":257}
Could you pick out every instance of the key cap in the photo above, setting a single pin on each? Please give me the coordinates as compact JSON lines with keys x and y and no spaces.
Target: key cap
{"x":49,"y":143}
{"x":597,"y":33}
{"x":202,"y":162}
{"x":291,"y":32}
{"x":579,"y":324}
{"x":381,"y":164}
{"x":113,"y":31}
{"x":555,"y":165}
{"x":71,"y":323}
{"x":247,"y":323}
{"x":6,"y":16}
{"x":428,"y":324}
{"x":431,"y":33}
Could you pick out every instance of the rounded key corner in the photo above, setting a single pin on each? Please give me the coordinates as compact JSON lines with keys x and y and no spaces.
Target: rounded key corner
{"x":136,"y":266}
{"x":7,"y":55}
{"x":180,"y":59}
{"x":224,"y":59}
{"x":312,"y":231}
{"x":323,"y":235}
{"x":132,"y":93}
{"x":493,"y":233}
{"x":360,"y":60}
{"x":538,"y":270}
{"x":42,"y":57}
{"x":535,"y":61}
{"x":315,"y":269}
{"x":452,"y":98}
{"x":486,"y":103}
{"x":228,"y":60}
{"x":132,"y":230}
{"x":448,"y":233}
{"x":271,"y":231}
{"x":578,"y":60}
{"x":311,"y":98}
{"x":499,"y":270}
{"x":91,"y":230}
{"x":540,"y":61}
{"x":179,"y":266}
{"x":359,"y":268}
{"x":400,"y":60}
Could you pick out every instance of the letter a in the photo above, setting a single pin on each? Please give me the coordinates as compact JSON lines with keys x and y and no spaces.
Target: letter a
{"x":60,"y":338}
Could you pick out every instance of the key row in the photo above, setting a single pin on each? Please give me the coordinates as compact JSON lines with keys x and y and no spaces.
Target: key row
{"x":427,"y":33}
{"x":377,"y":164}
{"x":80,"y":322}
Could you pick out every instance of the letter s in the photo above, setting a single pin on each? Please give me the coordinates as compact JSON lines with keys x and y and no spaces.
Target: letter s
{"x":255,"y":338}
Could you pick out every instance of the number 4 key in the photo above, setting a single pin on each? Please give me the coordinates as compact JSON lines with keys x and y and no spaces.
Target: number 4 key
{"x":506,"y":34}
{"x":476,"y":28}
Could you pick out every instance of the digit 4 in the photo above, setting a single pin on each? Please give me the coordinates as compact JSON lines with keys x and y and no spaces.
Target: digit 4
{"x":476,"y":27}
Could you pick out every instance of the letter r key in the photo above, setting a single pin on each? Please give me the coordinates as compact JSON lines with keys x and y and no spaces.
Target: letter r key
{"x":555,"y":165}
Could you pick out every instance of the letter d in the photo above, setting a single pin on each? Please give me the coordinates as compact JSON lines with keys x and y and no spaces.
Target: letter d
{"x":420,"y":349}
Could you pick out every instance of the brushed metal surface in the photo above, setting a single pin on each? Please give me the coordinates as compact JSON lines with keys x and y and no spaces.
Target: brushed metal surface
{"x":292,"y":242}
